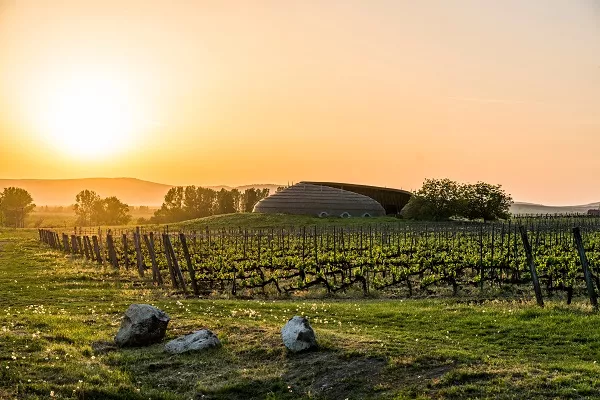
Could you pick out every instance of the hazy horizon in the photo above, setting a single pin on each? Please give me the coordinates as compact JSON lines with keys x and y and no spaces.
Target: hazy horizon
{"x":383,"y":93}
{"x":137,"y":192}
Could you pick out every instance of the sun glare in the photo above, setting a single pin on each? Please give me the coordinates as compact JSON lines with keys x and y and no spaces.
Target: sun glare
{"x":88,"y":118}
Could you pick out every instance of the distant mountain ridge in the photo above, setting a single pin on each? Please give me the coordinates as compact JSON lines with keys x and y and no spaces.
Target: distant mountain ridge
{"x":132,"y":191}
{"x":529,"y":208}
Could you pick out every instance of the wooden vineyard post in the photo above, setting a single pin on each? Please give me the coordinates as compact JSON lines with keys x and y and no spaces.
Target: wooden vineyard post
{"x":530,"y":261}
{"x":112,"y":254}
{"x":138,"y":252}
{"x":176,"y":270}
{"x":65,"y":242}
{"x":80,"y":245}
{"x":165,"y":238}
{"x":137,"y":242}
{"x":155,"y":271}
{"x":91,"y":247}
{"x":125,"y":251}
{"x":481,"y":269}
{"x":86,"y":249}
{"x":188,"y":259}
{"x":74,"y":248}
{"x":584,"y":264}
{"x":316,"y":251}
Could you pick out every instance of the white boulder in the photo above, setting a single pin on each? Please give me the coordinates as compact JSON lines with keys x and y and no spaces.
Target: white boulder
{"x":199,"y":340}
{"x":298,"y":335}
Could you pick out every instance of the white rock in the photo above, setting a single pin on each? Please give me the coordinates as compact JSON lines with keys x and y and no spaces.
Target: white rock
{"x":199,"y":340}
{"x":298,"y":335}
{"x":142,"y":325}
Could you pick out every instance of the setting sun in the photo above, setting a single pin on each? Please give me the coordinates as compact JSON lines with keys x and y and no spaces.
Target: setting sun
{"x":88,"y":117}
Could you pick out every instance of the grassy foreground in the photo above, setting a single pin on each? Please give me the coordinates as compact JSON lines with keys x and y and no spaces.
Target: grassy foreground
{"x":55,"y":313}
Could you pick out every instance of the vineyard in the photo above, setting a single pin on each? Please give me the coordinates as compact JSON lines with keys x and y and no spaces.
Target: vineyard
{"x":397,"y":259}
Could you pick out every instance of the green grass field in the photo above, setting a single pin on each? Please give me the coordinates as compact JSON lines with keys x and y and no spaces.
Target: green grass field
{"x":54,"y":311}
{"x":265,"y":221}
{"x":67,"y":218}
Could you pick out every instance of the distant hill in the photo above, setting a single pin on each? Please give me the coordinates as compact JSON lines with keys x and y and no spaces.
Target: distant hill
{"x":135,"y":192}
{"x":529,"y":208}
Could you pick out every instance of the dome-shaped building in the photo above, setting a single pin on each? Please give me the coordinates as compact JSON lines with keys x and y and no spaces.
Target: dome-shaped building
{"x":307,"y":199}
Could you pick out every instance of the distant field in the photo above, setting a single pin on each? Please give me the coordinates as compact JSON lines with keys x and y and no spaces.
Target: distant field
{"x":53,"y":308}
{"x":525,"y":208}
{"x":66,"y":218}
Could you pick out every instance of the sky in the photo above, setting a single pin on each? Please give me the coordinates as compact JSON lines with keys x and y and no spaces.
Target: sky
{"x":377,"y":92}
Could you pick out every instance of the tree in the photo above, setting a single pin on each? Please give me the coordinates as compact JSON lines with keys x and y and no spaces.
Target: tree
{"x":237,"y":198}
{"x":172,"y":207}
{"x":88,"y":208}
{"x":15,"y":205}
{"x":252,"y":196}
{"x":441,"y":199}
{"x":225,"y":202}
{"x":115,"y":212}
{"x":489,"y":202}
{"x":438,"y":199}
{"x":91,"y":209}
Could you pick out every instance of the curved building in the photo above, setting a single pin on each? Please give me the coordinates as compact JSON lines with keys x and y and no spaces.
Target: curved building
{"x":319,"y":200}
{"x":392,"y":200}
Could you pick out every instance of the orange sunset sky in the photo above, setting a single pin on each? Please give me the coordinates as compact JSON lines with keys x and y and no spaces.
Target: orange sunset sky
{"x":237,"y":92}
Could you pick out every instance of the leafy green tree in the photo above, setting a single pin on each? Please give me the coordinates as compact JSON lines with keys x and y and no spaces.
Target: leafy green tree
{"x":91,"y":209}
{"x":485,"y":201}
{"x":252,"y":196}
{"x":15,"y":205}
{"x":237,"y":198}
{"x":438,"y":199}
{"x":88,"y":208}
{"x":206,"y":199}
{"x":225,"y":203}
{"x":172,"y":207}
{"x":441,"y":199}
{"x":115,"y":212}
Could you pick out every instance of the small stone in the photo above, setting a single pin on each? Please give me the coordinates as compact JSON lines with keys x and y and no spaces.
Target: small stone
{"x":199,"y":340}
{"x":298,"y":335}
{"x":142,"y":325}
{"x":103,"y":347}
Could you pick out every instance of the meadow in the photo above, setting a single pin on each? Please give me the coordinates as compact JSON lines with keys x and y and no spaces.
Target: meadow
{"x":57,"y":312}
{"x":64,"y":216}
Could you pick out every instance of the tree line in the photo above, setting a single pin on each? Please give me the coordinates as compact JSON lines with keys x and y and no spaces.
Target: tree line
{"x":442,"y":199}
{"x":190,"y":202}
